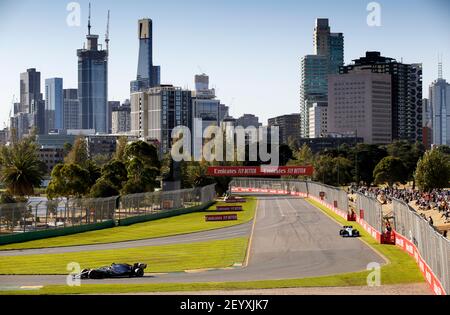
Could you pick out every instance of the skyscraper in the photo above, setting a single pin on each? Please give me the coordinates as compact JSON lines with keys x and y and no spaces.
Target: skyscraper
{"x":313,"y":87}
{"x":148,"y":75}
{"x":440,"y":110}
{"x":31,"y":102}
{"x":330,"y":45}
{"x":54,"y":104}
{"x":406,"y":94}
{"x":328,"y":57}
{"x":71,"y":111}
{"x":30,"y":89}
{"x":93,"y":84}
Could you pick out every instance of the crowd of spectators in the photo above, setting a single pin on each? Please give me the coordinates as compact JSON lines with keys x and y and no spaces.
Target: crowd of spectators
{"x":435,"y":200}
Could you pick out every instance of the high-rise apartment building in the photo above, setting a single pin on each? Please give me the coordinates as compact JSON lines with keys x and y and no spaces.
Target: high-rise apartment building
{"x":406,"y":80}
{"x":93,"y":84}
{"x":54,"y":104}
{"x":289,"y":127}
{"x":156,"y":111}
{"x":112,"y":106}
{"x":71,"y":112}
{"x":148,"y":75}
{"x":361,"y":102}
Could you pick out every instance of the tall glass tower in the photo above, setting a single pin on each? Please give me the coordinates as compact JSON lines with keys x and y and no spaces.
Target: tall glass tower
{"x":93,"y":84}
{"x":148,"y":75}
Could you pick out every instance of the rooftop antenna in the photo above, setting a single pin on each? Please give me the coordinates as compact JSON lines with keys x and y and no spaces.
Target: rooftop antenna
{"x":89,"y":20}
{"x":440,"y":76}
{"x":107,"y":34}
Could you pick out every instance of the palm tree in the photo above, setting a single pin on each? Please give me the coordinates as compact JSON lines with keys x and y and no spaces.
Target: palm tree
{"x":20,"y":167}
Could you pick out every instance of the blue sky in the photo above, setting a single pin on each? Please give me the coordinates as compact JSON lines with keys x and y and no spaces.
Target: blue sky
{"x":251,"y":49}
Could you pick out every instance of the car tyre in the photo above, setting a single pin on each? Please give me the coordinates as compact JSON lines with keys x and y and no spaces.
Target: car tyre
{"x":139,"y":272}
{"x":94,"y":274}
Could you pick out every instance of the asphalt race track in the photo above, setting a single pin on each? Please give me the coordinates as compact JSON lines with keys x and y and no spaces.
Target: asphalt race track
{"x":291,"y":239}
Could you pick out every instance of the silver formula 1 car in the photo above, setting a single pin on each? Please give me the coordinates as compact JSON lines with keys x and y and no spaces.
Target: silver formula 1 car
{"x":114,"y":271}
{"x":349,"y":231}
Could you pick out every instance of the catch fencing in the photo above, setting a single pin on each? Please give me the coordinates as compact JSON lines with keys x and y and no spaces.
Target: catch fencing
{"x":430,"y":249}
{"x":411,"y":232}
{"x":370,"y":210}
{"x":40,"y":214}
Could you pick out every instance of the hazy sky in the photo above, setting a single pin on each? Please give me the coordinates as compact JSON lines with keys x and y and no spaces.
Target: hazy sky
{"x":251,"y":49}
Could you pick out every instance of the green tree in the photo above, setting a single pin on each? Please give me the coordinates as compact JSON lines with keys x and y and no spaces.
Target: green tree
{"x":78,"y":154}
{"x":367,"y":157}
{"x":141,"y":178}
{"x":323,"y":170}
{"x":433,"y":171}
{"x":120,"y":148}
{"x":408,"y":153}
{"x":390,"y":170}
{"x":103,"y":188}
{"x":20,"y":168}
{"x":285,"y":154}
{"x":116,"y":173}
{"x":68,"y":180}
{"x":147,"y":153}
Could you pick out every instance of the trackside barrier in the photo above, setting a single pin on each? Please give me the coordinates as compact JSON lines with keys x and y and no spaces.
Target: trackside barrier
{"x":428,"y":247}
{"x":39,"y":218}
{"x":369,"y":214}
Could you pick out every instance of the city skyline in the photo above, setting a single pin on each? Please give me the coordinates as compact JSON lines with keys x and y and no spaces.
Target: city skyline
{"x":186,"y":33}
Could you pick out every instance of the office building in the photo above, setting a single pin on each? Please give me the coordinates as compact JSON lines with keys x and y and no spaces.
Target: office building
{"x":406,"y":81}
{"x":248,"y":120}
{"x":314,"y":87}
{"x":439,"y":95}
{"x":121,"y":118}
{"x":289,"y":127}
{"x":93,"y":84}
{"x":71,"y":112}
{"x":54,"y":104}
{"x":318,"y":126}
{"x":30,"y":89}
{"x":156,"y":111}
{"x":31,"y":103}
{"x":148,"y":75}
{"x":360,"y":102}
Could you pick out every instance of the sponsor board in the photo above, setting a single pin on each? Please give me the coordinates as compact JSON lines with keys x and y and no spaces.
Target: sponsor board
{"x":244,"y":171}
{"x":228,"y":208}
{"x":221,"y":217}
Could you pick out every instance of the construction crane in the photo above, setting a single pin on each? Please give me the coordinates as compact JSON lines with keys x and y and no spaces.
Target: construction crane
{"x":107,"y":33}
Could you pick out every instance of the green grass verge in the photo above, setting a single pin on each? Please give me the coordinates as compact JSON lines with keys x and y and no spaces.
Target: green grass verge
{"x":164,"y":258}
{"x":182,"y":224}
{"x":401,"y":269}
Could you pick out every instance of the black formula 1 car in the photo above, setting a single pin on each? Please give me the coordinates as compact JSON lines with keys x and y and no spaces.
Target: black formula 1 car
{"x":349,"y":231}
{"x":114,"y":271}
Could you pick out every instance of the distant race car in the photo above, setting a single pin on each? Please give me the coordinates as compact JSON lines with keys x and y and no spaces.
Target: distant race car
{"x":349,"y":231}
{"x":114,"y":271}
